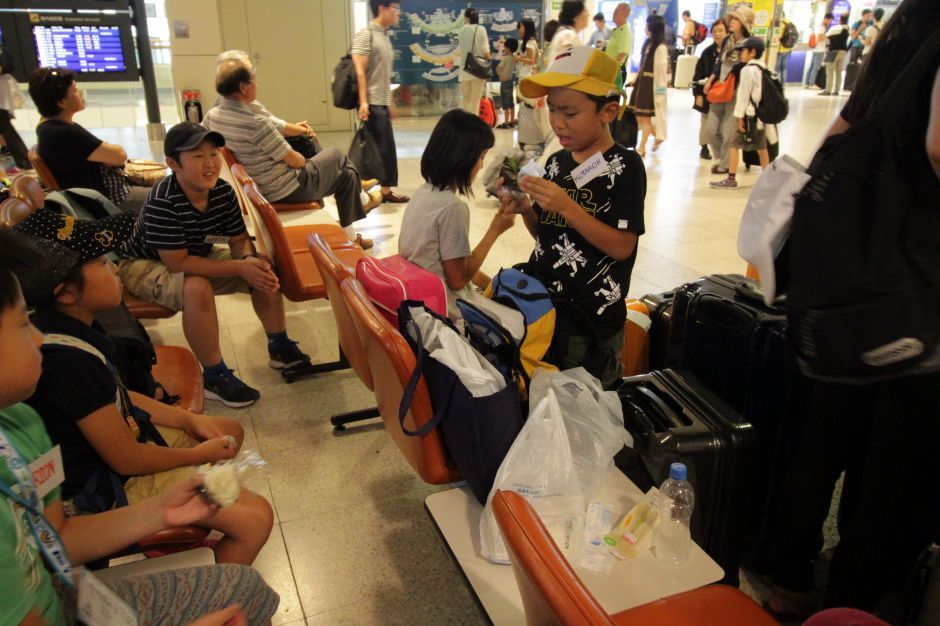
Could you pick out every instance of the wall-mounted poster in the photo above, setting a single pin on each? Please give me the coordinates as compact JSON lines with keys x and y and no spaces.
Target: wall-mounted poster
{"x":425,"y":39}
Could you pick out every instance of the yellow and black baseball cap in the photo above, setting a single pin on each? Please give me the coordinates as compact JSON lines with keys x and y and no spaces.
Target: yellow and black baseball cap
{"x":582,"y":68}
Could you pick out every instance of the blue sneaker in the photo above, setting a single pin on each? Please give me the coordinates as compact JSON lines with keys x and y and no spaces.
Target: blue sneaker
{"x":286,"y":354}
{"x":228,"y":389}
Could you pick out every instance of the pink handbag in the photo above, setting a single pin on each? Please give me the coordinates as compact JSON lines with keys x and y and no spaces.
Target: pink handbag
{"x":392,"y":279}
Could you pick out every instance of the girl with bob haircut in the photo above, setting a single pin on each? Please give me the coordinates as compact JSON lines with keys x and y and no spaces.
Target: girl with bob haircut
{"x":435,"y":230}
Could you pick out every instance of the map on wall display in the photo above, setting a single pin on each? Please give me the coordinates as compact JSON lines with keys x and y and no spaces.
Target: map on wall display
{"x":425,"y":40}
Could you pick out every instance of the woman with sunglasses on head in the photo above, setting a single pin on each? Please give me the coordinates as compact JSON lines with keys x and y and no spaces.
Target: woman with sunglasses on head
{"x":75,"y":156}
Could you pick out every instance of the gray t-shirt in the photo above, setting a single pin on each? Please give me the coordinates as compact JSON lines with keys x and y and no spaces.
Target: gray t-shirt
{"x":374,"y":43}
{"x":434,"y":229}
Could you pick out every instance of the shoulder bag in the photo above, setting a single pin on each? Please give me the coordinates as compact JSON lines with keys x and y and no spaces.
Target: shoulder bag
{"x":722,"y":91}
{"x":474,"y":65}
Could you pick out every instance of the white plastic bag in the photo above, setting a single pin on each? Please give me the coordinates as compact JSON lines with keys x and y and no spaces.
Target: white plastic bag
{"x":444,"y":345}
{"x":593,"y":420}
{"x":540,"y":467}
{"x":765,"y":224}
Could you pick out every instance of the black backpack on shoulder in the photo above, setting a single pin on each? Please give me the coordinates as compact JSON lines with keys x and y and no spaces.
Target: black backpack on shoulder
{"x":773,"y":107}
{"x":861,"y":262}
{"x":789,"y":36}
{"x":345,"y":87}
{"x":134,"y":355}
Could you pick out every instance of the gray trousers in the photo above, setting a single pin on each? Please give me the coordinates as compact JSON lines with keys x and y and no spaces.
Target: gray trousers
{"x":330,"y":173}
{"x":703,"y":137}
{"x":721,"y":128}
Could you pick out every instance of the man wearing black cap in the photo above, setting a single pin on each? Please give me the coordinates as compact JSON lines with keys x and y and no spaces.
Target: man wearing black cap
{"x":172,"y":259}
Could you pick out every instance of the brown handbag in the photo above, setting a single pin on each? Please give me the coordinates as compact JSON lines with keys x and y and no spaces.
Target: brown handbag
{"x":722,"y":92}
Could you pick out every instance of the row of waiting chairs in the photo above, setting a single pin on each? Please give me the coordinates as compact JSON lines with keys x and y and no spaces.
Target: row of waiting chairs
{"x":551,"y":591}
{"x":379,"y":355}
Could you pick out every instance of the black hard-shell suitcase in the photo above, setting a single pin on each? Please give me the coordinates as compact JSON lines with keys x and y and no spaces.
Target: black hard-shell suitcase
{"x":659,"y":306}
{"x":851,"y":75}
{"x":722,"y":332}
{"x":752,"y":158}
{"x":674,"y":418}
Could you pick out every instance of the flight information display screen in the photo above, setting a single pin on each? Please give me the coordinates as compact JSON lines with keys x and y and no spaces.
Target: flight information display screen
{"x":87,"y":48}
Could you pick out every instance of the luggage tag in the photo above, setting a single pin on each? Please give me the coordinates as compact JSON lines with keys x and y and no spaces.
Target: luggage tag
{"x":221,"y":239}
{"x":589,"y":170}
{"x":48,"y":471}
{"x":99,"y":605}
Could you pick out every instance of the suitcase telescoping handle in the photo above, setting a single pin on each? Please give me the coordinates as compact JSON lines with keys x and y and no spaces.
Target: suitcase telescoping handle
{"x":659,"y":416}
{"x":719,"y":312}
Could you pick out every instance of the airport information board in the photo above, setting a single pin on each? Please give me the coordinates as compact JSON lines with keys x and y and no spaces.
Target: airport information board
{"x":85,"y":49}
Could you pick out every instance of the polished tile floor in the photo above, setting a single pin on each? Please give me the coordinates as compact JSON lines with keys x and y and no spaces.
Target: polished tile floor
{"x":352,"y":543}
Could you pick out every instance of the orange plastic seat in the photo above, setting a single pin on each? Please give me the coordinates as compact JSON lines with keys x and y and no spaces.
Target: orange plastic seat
{"x":178,"y":371}
{"x":296,"y":270}
{"x":392,"y":362}
{"x":145,"y":309}
{"x":287,"y":245}
{"x":176,"y":539}
{"x":45,"y":174}
{"x":334,"y":273}
{"x":552,"y":593}
{"x":28,"y":189}
{"x":635,"y":356}
{"x":280,"y":207}
{"x":13,"y":211}
{"x":752,"y":272}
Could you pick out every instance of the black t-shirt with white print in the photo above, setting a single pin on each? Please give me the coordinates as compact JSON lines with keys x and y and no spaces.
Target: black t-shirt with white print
{"x":572,"y":266}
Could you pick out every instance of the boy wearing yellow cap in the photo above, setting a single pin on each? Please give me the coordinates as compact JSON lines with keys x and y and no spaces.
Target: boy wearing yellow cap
{"x":586,"y":213}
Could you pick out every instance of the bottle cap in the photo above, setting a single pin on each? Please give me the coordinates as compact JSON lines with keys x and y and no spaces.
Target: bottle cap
{"x":678,"y":471}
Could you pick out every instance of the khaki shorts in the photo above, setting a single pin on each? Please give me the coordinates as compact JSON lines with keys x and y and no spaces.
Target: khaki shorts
{"x":150,"y":280}
{"x":140,"y":488}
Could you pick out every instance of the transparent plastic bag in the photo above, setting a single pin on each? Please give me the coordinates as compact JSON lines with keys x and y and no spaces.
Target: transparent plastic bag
{"x":540,"y":466}
{"x":222,"y":481}
{"x":593,"y":420}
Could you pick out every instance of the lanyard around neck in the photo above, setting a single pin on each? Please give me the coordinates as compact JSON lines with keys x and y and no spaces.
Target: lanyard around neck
{"x":48,"y":539}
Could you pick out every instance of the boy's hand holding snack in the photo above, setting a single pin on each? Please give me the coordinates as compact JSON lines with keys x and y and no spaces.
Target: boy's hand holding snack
{"x":182,"y":503}
{"x":549,"y":196}
{"x":215,"y":449}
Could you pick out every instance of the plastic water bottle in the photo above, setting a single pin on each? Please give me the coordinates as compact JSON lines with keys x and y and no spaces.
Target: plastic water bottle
{"x":676,"y":500}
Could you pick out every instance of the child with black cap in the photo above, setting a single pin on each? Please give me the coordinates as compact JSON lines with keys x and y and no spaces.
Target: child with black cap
{"x":751,"y":134}
{"x":172,"y":259}
{"x":119,"y":447}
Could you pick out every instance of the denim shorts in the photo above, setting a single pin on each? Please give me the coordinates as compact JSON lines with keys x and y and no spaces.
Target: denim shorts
{"x":506,"y":94}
